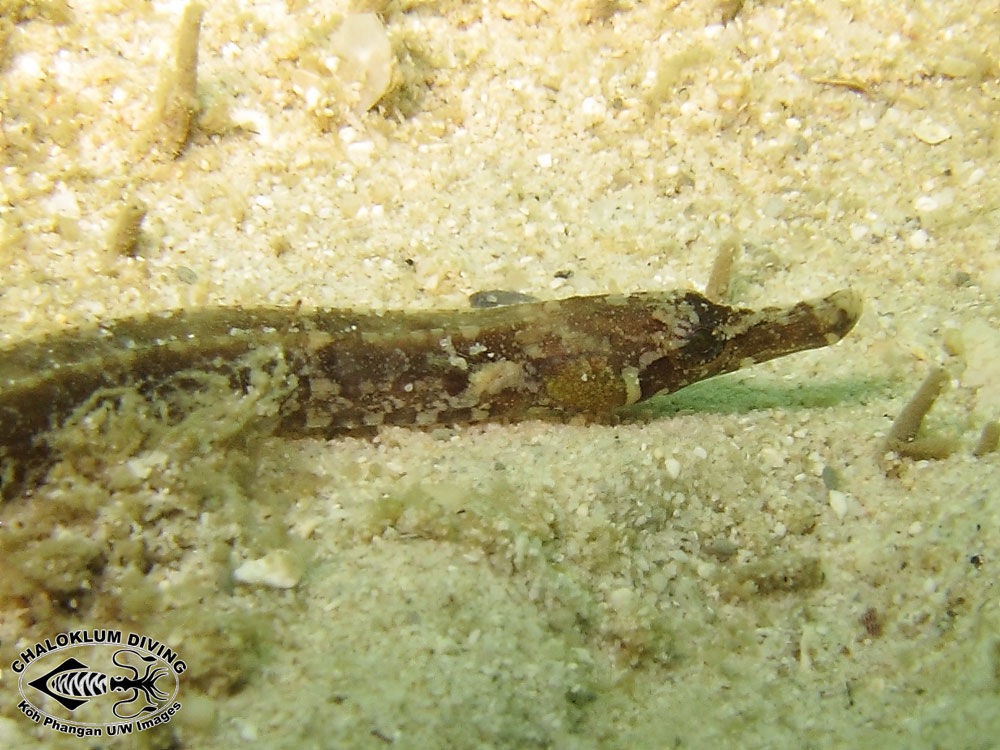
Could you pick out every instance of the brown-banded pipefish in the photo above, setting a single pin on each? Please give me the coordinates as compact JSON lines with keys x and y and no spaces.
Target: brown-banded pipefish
{"x":350,"y":372}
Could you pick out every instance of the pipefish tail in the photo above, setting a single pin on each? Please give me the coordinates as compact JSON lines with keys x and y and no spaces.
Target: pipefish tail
{"x":350,"y":372}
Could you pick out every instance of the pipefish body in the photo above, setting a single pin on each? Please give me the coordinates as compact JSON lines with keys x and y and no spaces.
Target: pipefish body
{"x":350,"y":372}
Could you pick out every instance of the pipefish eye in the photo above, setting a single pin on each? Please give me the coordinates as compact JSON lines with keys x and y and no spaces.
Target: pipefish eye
{"x":703,"y":344}
{"x":683,"y":365}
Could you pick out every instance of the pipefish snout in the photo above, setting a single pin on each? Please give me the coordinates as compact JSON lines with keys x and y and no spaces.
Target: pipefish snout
{"x":350,"y":372}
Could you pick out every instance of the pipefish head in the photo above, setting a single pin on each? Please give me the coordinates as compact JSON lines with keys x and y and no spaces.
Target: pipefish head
{"x":705,"y":339}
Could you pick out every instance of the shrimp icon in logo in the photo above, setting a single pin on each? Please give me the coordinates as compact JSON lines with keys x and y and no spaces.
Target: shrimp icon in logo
{"x":72,"y":684}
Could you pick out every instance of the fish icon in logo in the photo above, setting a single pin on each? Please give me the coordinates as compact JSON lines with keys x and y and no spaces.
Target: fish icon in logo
{"x":73,"y":683}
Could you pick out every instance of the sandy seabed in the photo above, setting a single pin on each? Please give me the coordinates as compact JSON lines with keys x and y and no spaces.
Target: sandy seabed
{"x":748,"y":568}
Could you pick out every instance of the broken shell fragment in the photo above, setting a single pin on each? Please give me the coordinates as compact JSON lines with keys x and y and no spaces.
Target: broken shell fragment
{"x":931,"y":132}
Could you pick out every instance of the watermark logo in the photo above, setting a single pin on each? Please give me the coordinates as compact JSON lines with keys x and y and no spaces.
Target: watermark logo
{"x":100,"y":682}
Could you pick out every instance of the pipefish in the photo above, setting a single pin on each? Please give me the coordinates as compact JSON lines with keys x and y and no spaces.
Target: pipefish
{"x":350,"y":372}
